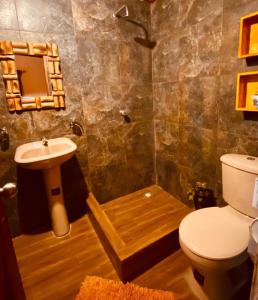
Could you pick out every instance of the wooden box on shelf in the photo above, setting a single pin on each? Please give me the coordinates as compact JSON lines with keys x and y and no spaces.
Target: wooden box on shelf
{"x":248,"y":37}
{"x":247,"y":91}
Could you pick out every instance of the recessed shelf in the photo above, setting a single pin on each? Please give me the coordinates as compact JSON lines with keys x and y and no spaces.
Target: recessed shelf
{"x":248,"y":37}
{"x":247,"y":88}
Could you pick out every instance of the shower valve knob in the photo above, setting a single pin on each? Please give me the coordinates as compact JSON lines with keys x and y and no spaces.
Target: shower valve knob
{"x":123,"y":112}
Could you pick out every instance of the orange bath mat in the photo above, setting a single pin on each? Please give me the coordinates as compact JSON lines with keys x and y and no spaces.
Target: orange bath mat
{"x":96,"y":288}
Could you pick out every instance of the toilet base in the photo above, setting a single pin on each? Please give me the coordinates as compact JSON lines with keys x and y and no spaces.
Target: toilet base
{"x":212,"y":285}
{"x":193,"y":285}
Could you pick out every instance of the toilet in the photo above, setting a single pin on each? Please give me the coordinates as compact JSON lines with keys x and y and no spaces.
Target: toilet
{"x":216,"y":239}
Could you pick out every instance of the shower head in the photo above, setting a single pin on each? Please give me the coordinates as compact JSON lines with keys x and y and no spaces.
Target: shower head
{"x":145,"y":42}
{"x":122,"y":12}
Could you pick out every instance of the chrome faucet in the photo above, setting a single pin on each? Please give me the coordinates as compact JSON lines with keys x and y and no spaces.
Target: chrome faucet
{"x":44,"y":141}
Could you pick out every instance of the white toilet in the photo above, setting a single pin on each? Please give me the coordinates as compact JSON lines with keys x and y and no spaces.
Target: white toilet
{"x":216,"y":239}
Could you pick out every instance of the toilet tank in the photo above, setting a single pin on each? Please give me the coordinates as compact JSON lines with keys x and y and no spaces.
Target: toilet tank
{"x":239,"y":174}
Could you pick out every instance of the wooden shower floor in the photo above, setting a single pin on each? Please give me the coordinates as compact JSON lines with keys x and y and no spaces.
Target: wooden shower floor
{"x":139,"y":229}
{"x":145,"y":215}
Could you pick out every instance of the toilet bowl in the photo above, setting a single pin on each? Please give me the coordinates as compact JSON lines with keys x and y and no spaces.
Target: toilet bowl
{"x":215,"y":240}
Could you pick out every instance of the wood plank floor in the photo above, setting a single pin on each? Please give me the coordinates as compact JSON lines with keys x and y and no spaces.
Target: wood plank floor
{"x":53,"y":269}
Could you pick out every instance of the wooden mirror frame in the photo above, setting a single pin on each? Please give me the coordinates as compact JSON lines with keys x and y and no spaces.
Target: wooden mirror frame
{"x":50,"y":53}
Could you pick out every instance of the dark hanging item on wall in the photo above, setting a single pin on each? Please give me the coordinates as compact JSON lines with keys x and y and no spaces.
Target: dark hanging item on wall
{"x":4,"y":139}
{"x":202,"y":196}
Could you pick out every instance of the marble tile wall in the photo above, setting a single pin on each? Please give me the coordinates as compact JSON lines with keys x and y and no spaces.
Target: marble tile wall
{"x":104,"y":71}
{"x":194,"y":82}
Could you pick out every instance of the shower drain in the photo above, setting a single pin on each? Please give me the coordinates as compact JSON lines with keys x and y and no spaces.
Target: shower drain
{"x":147,"y":195}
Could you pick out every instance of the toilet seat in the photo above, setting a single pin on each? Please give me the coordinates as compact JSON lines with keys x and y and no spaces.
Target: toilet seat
{"x":215,"y":233}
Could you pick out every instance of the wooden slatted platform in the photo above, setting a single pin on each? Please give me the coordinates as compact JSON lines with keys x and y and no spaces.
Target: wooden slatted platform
{"x":138,"y":230}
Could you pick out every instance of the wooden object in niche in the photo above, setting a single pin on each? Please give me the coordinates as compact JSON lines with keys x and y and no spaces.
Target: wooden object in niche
{"x":14,"y":99}
{"x":247,"y":88}
{"x":248,"y":37}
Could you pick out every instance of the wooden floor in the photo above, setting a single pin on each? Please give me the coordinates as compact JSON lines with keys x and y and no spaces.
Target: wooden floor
{"x":53,"y":269}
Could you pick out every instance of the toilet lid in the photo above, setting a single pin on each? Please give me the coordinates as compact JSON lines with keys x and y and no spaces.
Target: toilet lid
{"x":215,"y":233}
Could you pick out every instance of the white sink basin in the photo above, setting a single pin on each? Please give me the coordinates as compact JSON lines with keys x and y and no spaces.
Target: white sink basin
{"x":48,"y":158}
{"x":37,"y":156}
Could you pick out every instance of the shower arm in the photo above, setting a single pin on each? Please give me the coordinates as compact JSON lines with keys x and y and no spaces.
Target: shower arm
{"x":139,"y":25}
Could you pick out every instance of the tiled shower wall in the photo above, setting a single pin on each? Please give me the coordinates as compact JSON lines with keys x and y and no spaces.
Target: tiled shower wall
{"x":104,"y":71}
{"x":194,"y":83}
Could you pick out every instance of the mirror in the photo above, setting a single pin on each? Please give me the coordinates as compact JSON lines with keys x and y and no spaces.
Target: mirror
{"x":32,"y":75}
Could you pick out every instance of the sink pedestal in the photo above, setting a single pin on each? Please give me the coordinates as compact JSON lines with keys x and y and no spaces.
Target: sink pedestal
{"x":52,"y":178}
{"x":48,"y":157}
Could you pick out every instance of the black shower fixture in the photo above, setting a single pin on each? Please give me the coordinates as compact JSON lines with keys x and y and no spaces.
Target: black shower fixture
{"x":123,"y":14}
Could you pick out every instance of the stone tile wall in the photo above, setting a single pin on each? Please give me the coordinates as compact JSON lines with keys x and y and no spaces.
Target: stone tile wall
{"x":194,"y":82}
{"x":104,"y":71}
{"x":188,"y":80}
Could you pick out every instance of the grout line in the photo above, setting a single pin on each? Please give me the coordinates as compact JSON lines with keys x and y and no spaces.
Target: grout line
{"x":18,"y":23}
{"x":73,"y":19}
{"x":153,"y":109}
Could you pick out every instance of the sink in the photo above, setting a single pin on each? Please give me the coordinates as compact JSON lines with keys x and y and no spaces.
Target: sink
{"x":48,"y":158}
{"x":37,"y":156}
